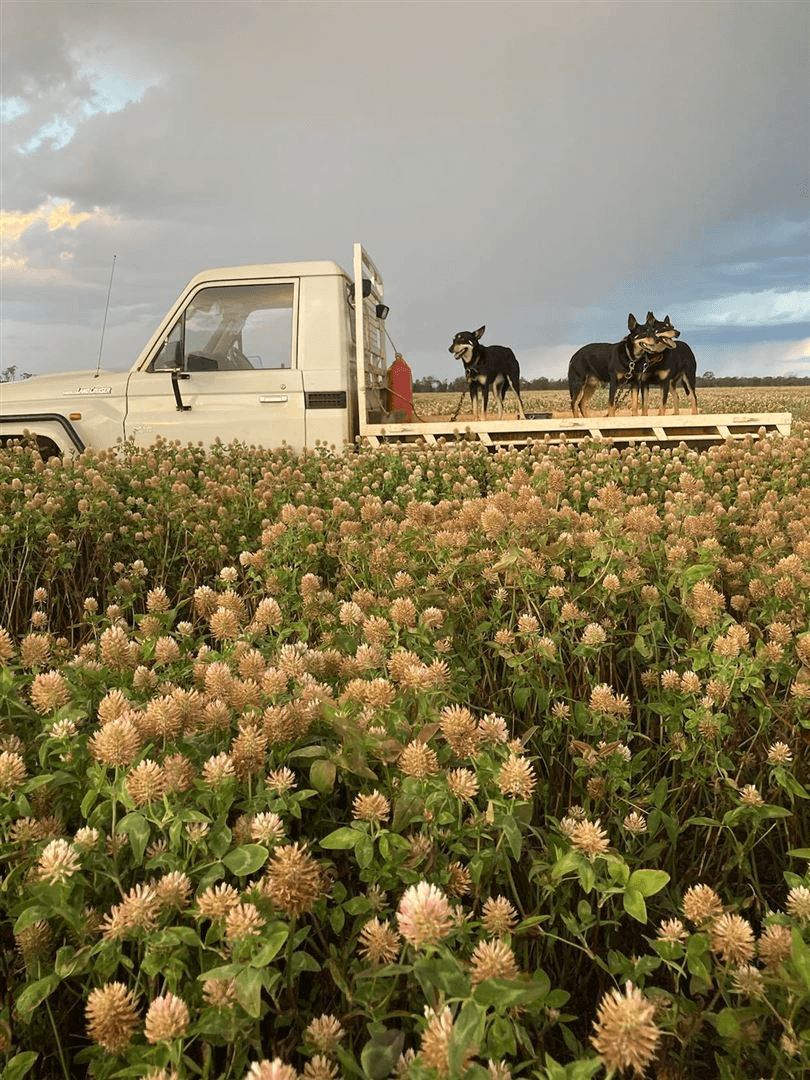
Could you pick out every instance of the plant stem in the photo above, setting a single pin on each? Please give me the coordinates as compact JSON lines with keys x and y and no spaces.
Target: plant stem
{"x":59,"y":1047}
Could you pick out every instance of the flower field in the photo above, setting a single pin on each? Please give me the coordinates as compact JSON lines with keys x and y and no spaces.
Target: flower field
{"x":418,"y":763}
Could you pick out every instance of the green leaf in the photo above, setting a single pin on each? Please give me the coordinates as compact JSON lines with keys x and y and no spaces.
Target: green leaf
{"x":511,"y":831}
{"x":643,"y":647}
{"x":170,"y":937}
{"x":583,"y":1070}
{"x":619,"y":871}
{"x":760,"y":813}
{"x":504,"y":994}
{"x":468,"y":1031}
{"x":273,"y":938}
{"x":659,"y":795}
{"x":800,"y":958}
{"x":364,"y":852}
{"x":302,"y":961}
{"x":249,"y":991}
{"x":800,"y":852}
{"x":307,"y":752}
{"x":246,"y":859}
{"x":556,"y":1071}
{"x":32,"y":914}
{"x":381,"y":1053}
{"x":225,"y":971}
{"x":341,"y":839}
{"x":728,"y":1026}
{"x":587,"y":875}
{"x":35,"y":993}
{"x":648,"y":882}
{"x":696,"y":950}
{"x":219,"y":839}
{"x":634,"y":904}
{"x":322,"y":775}
{"x":358,"y":905}
{"x":87,"y":802}
{"x":501,"y":1038}
{"x":521,"y":696}
{"x":70,"y":961}
{"x":19,"y":1065}
{"x":444,"y":974}
{"x":789,"y":782}
{"x":136,"y":827}
{"x":569,"y":863}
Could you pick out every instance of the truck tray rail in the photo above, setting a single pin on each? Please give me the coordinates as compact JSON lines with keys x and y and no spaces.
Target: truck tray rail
{"x":694,"y":430}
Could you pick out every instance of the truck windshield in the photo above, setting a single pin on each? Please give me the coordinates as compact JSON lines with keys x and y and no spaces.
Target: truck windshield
{"x":232,"y":328}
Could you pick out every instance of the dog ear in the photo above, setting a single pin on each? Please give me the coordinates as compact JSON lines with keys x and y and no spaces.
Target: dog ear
{"x":479,"y":333}
{"x":631,"y":322}
{"x":651,"y":317}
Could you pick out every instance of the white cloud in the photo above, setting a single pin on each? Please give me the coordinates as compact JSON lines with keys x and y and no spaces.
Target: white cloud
{"x":105,"y":79}
{"x":57,"y":131}
{"x":111,"y":92}
{"x":762,"y":358}
{"x":11,"y":108}
{"x":768,"y":308}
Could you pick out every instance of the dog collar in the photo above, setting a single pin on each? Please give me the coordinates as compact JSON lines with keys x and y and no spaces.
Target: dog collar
{"x":631,"y":361}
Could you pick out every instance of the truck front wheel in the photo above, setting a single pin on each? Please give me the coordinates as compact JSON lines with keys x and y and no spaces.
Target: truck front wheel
{"x":47,"y":447}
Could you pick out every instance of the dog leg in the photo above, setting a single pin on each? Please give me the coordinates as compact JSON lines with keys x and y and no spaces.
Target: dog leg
{"x":612,"y":397}
{"x":521,"y":413}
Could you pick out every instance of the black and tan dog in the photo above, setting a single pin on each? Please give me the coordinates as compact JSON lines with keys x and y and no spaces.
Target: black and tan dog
{"x":677,"y":367}
{"x":624,"y":363}
{"x":487,"y":368}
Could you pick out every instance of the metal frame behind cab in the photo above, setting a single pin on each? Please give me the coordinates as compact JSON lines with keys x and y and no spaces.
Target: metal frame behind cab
{"x":364,"y":268}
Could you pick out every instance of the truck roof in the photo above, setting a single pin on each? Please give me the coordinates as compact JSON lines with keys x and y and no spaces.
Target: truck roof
{"x":262,"y":270}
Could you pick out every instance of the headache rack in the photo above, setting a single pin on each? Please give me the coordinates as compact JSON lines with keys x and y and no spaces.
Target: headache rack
{"x":693,"y":430}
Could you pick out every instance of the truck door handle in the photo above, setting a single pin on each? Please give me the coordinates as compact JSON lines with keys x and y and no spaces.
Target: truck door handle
{"x":266,"y":399}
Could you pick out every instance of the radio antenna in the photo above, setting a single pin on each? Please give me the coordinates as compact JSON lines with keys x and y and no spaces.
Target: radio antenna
{"x":104,"y":323}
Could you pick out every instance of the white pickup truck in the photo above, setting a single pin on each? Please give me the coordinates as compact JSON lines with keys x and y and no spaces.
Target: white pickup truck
{"x":269,"y":355}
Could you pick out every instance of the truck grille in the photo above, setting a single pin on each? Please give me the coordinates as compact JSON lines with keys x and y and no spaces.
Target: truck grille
{"x":326,"y":399}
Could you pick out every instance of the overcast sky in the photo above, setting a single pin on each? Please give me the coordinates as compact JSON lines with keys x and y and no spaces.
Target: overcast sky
{"x":541,"y":168}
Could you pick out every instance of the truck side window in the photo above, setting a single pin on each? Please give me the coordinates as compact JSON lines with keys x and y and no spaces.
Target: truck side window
{"x":170,"y":356}
{"x":233,"y":328}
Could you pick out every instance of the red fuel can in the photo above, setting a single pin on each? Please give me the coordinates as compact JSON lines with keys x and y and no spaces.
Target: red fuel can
{"x":400,"y":388}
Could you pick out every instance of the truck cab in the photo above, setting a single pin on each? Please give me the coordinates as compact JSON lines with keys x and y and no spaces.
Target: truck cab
{"x":264,"y":354}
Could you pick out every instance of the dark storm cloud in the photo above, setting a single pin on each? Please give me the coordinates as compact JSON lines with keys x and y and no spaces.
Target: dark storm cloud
{"x":541,"y":167}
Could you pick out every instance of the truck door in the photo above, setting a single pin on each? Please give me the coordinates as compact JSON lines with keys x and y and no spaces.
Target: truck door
{"x":231,"y":360}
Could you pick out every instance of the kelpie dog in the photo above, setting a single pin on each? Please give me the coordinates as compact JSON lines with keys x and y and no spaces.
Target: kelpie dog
{"x":623,"y":362}
{"x":488,"y":367}
{"x":678,"y":366}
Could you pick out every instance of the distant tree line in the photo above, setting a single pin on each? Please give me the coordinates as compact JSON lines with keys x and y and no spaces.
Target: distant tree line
{"x":430,"y":385}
